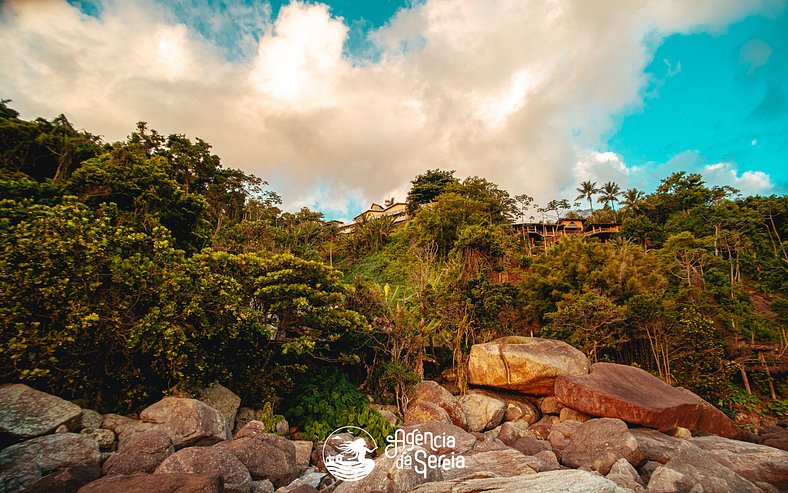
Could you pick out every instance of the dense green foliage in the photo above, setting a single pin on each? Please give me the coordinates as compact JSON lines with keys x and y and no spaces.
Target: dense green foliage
{"x":329,"y":401}
{"x":128,"y":267}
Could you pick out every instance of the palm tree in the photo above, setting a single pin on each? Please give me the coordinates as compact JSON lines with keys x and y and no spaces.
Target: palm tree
{"x":587,"y":190}
{"x":610,"y":192}
{"x":633,"y":199}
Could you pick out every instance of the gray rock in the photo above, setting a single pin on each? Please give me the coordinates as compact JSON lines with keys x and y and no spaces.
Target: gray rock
{"x":599,"y":443}
{"x":141,"y":454}
{"x":303,"y":452}
{"x":262,"y":486}
{"x":756,"y":463}
{"x":25,"y":463}
{"x":482,"y":412}
{"x":386,"y":476}
{"x":311,"y":479}
{"x":187,"y":421}
{"x":223,"y":400}
{"x":90,"y":419}
{"x":623,"y":474}
{"x":116,"y":422}
{"x":157,"y":483}
{"x":28,"y":413}
{"x":567,"y":481}
{"x":647,"y":469}
{"x":244,"y":415}
{"x":692,"y":469}
{"x":105,"y":438}
{"x":209,"y":460}
{"x":656,"y":445}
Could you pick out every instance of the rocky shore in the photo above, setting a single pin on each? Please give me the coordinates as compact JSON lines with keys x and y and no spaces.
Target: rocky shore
{"x":538,"y":418}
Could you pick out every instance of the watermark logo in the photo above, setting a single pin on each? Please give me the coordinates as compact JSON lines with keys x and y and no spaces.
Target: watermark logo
{"x":345,"y":452}
{"x":349,"y":461}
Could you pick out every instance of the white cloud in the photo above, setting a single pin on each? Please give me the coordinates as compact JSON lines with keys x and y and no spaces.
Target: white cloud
{"x":608,"y":166}
{"x":517,"y":91}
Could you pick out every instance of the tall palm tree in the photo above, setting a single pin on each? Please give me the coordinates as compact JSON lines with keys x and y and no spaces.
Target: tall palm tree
{"x":587,"y":190}
{"x":610,"y":192}
{"x":633,"y":199}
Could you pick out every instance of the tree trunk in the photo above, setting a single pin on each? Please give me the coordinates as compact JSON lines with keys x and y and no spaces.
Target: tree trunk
{"x":745,"y":379}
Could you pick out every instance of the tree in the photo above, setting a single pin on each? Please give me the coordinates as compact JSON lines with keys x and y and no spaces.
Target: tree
{"x":590,"y":322}
{"x":610,"y":193}
{"x":633,"y":200}
{"x":587,"y":190}
{"x":427,"y":187}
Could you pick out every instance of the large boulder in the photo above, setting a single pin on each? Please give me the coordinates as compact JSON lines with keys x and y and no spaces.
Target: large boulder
{"x":482,"y":412}
{"x":141,"y":454}
{"x":635,"y":396}
{"x":423,"y":412}
{"x":757,"y":463}
{"x":25,"y":463}
{"x":157,"y":483}
{"x":28,"y":413}
{"x":265,"y":455}
{"x":263,"y":459}
{"x":657,"y":446}
{"x":388,"y":477}
{"x":544,"y":482}
{"x":599,"y":443}
{"x":187,"y":421}
{"x":223,"y":400}
{"x":525,"y":364}
{"x":518,"y":406}
{"x":209,"y":460}
{"x":68,"y":480}
{"x":690,"y":467}
{"x":777,"y":439}
{"x":501,"y":463}
{"x":429,"y":391}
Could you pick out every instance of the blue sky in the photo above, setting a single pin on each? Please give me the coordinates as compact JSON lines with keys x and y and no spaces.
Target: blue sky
{"x":728,"y":100}
{"x":341,"y":103}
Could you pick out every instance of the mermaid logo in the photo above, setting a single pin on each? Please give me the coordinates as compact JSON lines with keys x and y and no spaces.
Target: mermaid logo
{"x":345,"y":453}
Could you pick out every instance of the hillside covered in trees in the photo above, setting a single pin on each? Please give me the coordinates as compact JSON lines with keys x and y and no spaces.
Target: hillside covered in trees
{"x":129,"y":267}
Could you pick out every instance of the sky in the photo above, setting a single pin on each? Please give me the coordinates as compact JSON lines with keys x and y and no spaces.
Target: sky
{"x":341,"y":103}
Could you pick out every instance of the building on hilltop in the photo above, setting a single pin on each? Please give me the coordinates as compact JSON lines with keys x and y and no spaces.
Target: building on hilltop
{"x":397,"y":210}
{"x":547,"y":232}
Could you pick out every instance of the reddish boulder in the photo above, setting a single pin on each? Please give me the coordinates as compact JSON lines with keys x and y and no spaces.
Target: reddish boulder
{"x":429,"y":391}
{"x":209,"y":460}
{"x":157,"y":483}
{"x":141,"y":454}
{"x":635,"y":396}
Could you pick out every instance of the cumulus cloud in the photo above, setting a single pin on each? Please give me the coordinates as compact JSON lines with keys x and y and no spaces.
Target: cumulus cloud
{"x":609,"y":166}
{"x":518,"y":91}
